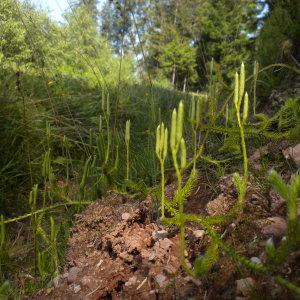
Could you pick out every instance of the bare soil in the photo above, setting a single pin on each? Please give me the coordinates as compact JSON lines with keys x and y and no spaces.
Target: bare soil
{"x":118,"y":251}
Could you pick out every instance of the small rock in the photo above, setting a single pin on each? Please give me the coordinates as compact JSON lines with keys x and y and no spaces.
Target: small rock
{"x":294,"y":153}
{"x":164,"y":244}
{"x":131,"y":281}
{"x":152,"y":292}
{"x":220,"y":205}
{"x":73,"y":273}
{"x":254,"y":159}
{"x":56,"y":281}
{"x":277,"y":201}
{"x":99,"y":263}
{"x":126,"y":216}
{"x":152,"y":256}
{"x":244,"y":286}
{"x":263,"y":257}
{"x":276,"y":226}
{"x":256,"y":260}
{"x":226,"y":185}
{"x":198,"y":233}
{"x":159,"y":235}
{"x":77,"y":288}
{"x":193,"y":280}
{"x":89,"y":282}
{"x":161,"y":280}
{"x":189,"y":265}
{"x":145,"y":254}
{"x":126,"y":257}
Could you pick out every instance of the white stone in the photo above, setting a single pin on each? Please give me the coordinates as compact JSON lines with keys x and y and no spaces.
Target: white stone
{"x":198,"y":233}
{"x":161,"y":280}
{"x":244,"y":286}
{"x":126,"y":216}
{"x":159,"y":235}
{"x":77,"y":288}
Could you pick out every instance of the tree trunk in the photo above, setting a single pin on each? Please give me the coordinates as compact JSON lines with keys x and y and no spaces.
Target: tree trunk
{"x":174,"y":74}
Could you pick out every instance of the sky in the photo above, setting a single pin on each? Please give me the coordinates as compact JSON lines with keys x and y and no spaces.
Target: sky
{"x":55,"y":7}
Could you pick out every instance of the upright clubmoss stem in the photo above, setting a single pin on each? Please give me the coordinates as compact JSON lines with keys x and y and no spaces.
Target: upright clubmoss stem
{"x":127,"y":142}
{"x":162,"y":170}
{"x":195,"y":148}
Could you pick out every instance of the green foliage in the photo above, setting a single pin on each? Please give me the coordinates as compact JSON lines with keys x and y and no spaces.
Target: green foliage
{"x":281,"y":28}
{"x":86,"y":171}
{"x":289,"y":117}
{"x":65,"y":98}
{"x":127,"y":143}
{"x":4,"y":290}
{"x":204,"y":263}
{"x":161,"y":150}
{"x":291,"y":194}
{"x":3,"y":252}
{"x":51,"y":241}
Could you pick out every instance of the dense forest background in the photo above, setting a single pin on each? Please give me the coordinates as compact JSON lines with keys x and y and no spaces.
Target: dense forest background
{"x":67,"y":90}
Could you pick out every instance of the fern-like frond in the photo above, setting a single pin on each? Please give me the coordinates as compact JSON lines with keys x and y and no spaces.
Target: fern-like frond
{"x":181,"y":195}
{"x":204,"y":263}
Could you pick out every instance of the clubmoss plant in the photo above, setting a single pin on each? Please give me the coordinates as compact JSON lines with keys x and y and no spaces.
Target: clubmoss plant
{"x":85,"y":175}
{"x":41,"y":264}
{"x":289,"y":192}
{"x":161,"y":150}
{"x":177,"y":143}
{"x":197,"y":109}
{"x":51,"y":241}
{"x":68,"y":160}
{"x":3,"y":254}
{"x":255,"y":77}
{"x":34,"y":219}
{"x":239,"y":95}
{"x":48,"y":176}
{"x":204,"y":263}
{"x":107,"y":118}
{"x":127,"y":143}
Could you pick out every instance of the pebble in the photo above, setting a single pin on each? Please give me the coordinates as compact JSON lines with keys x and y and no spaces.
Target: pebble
{"x":99,"y":263}
{"x":77,"y":288}
{"x":131,"y":281}
{"x":56,"y":281}
{"x":125,"y":256}
{"x":198,"y":233}
{"x":198,"y":283}
{"x":256,"y":260}
{"x":294,"y":153}
{"x":152,"y":256}
{"x":159,"y":235}
{"x":277,"y":202}
{"x":126,"y":216}
{"x":161,"y":280}
{"x":73,"y":273}
{"x":244,"y":286}
{"x":276,"y":226}
{"x":219,"y":205}
{"x":89,"y":282}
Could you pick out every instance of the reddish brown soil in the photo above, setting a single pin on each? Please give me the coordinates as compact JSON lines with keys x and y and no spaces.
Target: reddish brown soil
{"x":114,"y":252}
